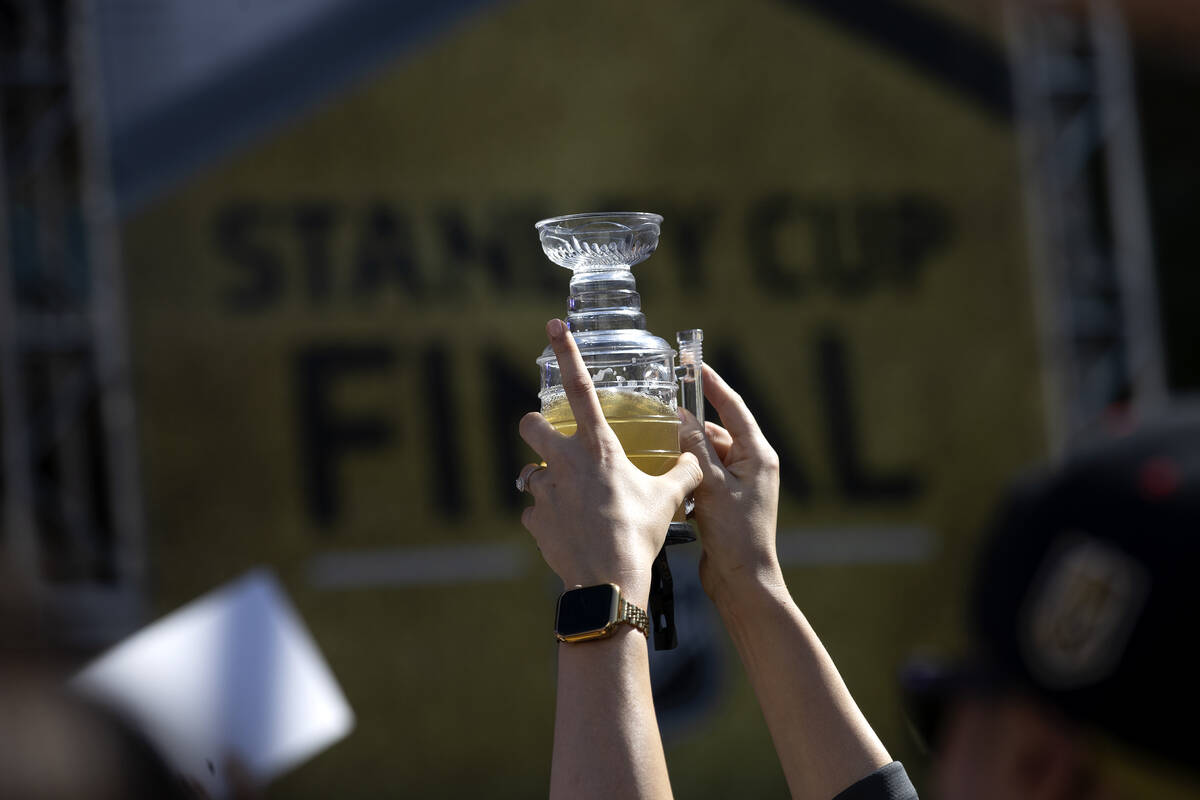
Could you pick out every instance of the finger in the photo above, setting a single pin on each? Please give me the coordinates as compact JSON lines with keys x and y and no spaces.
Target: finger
{"x":719,"y":438}
{"x":537,"y":481}
{"x":577,"y":384}
{"x":539,"y":434}
{"x":683,"y":478}
{"x":729,"y":405}
{"x":692,"y":440}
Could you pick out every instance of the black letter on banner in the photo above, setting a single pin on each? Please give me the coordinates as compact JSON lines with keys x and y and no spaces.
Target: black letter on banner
{"x":853,"y":478}
{"x":792,"y":475}
{"x":689,"y":229}
{"x":324,"y":437}
{"x":236,"y":229}
{"x":856,"y":254}
{"x":512,"y":392}
{"x":386,"y":254}
{"x":314,"y":225}
{"x":463,"y":248}
{"x":777,"y":270}
{"x":923,"y":226}
{"x":526,"y":264}
{"x":447,"y":472}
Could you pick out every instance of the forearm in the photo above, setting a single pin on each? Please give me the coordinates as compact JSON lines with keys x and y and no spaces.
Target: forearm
{"x":824,"y":742}
{"x":606,"y":739}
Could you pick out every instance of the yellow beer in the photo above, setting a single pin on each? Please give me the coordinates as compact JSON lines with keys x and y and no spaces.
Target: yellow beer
{"x":646,"y":427}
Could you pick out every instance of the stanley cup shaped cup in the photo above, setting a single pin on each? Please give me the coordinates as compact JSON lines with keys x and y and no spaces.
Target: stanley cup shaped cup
{"x":633,"y":370}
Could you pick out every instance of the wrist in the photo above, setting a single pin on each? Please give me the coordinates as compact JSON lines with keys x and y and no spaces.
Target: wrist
{"x":634,"y":585}
{"x":747,"y":589}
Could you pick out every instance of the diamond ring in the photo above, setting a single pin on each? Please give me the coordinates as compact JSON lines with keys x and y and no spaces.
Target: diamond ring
{"x":527,"y":473}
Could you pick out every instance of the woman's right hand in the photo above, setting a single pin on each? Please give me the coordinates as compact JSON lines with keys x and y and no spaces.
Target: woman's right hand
{"x":737,"y":502}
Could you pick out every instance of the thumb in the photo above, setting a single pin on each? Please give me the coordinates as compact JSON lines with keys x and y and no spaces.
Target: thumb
{"x":692,"y":439}
{"x":683,"y":478}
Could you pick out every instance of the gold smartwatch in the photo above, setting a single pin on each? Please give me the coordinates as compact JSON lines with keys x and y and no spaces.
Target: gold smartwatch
{"x":594,"y":612}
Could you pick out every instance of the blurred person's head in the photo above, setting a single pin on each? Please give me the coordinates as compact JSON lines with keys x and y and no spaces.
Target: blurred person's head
{"x":57,"y":746}
{"x":1082,"y":623}
{"x":52,"y":743}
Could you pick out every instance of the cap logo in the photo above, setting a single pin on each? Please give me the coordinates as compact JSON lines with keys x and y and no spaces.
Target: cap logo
{"x":1080,"y":612}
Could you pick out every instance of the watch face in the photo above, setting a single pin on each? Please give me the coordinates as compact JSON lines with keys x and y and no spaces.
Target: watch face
{"x":588,"y":609}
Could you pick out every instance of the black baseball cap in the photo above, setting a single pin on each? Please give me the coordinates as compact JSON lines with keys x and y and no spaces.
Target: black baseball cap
{"x":1085,"y":594}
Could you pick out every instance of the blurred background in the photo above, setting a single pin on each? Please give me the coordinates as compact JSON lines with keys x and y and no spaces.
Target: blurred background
{"x":271,"y":295}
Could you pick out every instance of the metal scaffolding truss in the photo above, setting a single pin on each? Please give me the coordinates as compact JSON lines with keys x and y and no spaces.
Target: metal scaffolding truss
{"x":72,"y":507}
{"x":1088,"y":223}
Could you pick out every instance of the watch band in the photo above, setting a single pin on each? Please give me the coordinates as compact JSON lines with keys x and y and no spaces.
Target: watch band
{"x":628,"y":612}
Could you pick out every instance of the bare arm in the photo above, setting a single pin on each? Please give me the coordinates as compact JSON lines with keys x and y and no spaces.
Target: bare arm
{"x":598,"y":519}
{"x":606,"y":739}
{"x":824,"y":742}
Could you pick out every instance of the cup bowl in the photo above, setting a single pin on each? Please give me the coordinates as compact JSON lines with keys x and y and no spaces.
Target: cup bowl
{"x":599,"y":241}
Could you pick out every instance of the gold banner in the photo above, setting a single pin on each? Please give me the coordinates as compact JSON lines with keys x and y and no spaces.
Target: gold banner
{"x":334,"y":335}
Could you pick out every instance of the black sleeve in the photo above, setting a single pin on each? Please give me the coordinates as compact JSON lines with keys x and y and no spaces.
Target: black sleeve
{"x":889,"y":782}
